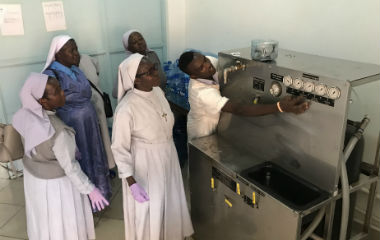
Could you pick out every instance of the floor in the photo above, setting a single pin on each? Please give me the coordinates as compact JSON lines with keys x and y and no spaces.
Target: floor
{"x":12,"y":209}
{"x":13,"y":219}
{"x":108,"y":223}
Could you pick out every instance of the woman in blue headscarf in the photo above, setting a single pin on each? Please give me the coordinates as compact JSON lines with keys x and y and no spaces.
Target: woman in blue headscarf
{"x":78,"y":111}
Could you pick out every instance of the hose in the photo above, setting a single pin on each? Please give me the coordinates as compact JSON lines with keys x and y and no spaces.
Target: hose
{"x":345,"y":201}
{"x":344,"y":178}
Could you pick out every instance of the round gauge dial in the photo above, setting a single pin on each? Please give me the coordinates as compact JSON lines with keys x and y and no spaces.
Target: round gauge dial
{"x":333,"y":93}
{"x":298,"y":83}
{"x":320,"y":89}
{"x":308,"y":86}
{"x":287,"y":80}
{"x":275,"y":89}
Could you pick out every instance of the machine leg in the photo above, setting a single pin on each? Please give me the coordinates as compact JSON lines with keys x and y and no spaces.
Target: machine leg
{"x":329,"y":220}
{"x":372,"y":192}
{"x":370,"y":202}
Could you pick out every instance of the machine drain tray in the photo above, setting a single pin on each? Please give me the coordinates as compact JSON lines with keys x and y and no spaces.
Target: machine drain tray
{"x":291,"y":190}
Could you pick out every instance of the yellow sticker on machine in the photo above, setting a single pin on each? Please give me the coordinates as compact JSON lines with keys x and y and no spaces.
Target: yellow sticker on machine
{"x":228,"y":202}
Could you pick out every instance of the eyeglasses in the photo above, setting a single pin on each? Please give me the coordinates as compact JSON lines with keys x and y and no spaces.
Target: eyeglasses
{"x":149,"y":72}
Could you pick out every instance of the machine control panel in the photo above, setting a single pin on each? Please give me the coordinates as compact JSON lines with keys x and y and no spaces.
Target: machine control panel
{"x":297,"y":86}
{"x":320,"y":89}
{"x":318,"y":92}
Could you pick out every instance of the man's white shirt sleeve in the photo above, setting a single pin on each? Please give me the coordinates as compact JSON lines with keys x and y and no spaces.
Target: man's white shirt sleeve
{"x":211,"y":99}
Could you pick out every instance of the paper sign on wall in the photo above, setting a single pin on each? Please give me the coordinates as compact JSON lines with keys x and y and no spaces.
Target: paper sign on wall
{"x":11,"y":22}
{"x":54,"y":16}
{"x":2,"y":11}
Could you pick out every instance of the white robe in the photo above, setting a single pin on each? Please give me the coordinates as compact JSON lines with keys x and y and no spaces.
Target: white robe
{"x":59,"y":208}
{"x":143,"y":147}
{"x":90,"y":67}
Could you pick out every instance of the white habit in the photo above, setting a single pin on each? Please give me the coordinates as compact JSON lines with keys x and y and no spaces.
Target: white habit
{"x":206,"y":104}
{"x":59,"y":208}
{"x":143,"y":147}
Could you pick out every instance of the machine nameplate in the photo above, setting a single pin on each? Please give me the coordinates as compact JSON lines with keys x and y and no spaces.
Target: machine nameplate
{"x":258,"y":83}
{"x":276,"y":77}
{"x":309,"y":76}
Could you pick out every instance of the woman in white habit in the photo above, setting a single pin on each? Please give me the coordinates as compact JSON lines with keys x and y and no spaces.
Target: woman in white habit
{"x":56,"y":189}
{"x":153,"y":195}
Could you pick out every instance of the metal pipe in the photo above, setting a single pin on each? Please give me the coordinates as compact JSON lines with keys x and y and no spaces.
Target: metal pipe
{"x":226,"y":71}
{"x":225,"y":74}
{"x":329,"y":220}
{"x":344,"y":178}
{"x":310,"y":229}
{"x":360,"y":236}
{"x":315,"y":237}
{"x":370,"y":203}
{"x":345,"y":201}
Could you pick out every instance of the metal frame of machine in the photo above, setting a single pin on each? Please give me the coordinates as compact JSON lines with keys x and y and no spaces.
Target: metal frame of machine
{"x":312,"y":144}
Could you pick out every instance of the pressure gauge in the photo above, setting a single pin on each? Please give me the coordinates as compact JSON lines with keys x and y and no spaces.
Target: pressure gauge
{"x":275,"y":89}
{"x":298,"y":83}
{"x":287,"y":80}
{"x":320,"y":89}
{"x":333,"y":93}
{"x":308,"y":86}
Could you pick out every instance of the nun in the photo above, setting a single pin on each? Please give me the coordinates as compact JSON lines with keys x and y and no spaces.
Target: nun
{"x":154,"y":200}
{"x":56,"y":189}
{"x":78,"y":111}
{"x":134,"y":42}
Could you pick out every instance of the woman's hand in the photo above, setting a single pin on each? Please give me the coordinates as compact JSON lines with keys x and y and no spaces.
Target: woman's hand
{"x":137,"y":191}
{"x":97,"y":200}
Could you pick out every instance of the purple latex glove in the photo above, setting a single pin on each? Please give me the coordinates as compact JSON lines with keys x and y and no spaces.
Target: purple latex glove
{"x":97,"y":200}
{"x":139,"y":193}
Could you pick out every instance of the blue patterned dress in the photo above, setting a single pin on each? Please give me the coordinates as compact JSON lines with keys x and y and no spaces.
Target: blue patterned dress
{"x":79,"y":113}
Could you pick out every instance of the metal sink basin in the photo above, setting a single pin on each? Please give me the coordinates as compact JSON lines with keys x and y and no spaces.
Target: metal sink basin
{"x":284,"y":186}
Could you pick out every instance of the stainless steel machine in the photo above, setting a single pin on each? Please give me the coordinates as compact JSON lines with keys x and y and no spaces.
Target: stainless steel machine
{"x":265,"y":177}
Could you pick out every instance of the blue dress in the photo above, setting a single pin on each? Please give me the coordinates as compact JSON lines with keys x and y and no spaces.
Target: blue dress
{"x":79,"y":113}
